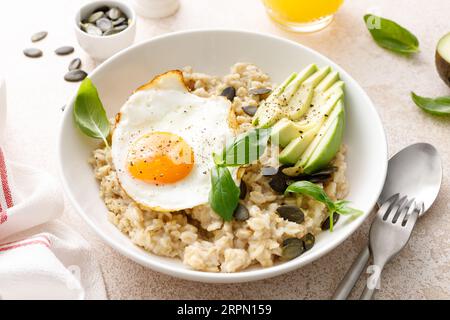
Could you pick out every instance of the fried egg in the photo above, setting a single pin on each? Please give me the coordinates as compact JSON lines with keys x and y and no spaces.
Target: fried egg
{"x":163,"y":143}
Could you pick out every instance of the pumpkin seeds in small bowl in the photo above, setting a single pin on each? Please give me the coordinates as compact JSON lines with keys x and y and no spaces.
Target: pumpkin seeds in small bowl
{"x":105,"y":21}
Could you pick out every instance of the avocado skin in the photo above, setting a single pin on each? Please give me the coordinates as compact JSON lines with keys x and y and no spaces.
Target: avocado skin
{"x":326,"y":150}
{"x":443,"y":68}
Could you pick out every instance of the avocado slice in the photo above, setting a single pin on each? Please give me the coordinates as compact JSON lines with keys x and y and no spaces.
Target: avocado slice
{"x":326,"y":83}
{"x":296,"y":147}
{"x":320,"y":111}
{"x":284,"y":131}
{"x":294,"y":85}
{"x":324,"y":146}
{"x":269,"y":111}
{"x":301,"y":100}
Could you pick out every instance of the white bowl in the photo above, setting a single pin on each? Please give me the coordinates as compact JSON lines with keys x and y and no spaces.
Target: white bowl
{"x":213,"y":52}
{"x":101,"y":48}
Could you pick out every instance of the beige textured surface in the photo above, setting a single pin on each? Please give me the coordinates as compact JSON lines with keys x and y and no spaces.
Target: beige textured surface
{"x":37,"y":92}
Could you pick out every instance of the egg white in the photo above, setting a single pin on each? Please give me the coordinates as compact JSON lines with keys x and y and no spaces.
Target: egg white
{"x":201,"y":122}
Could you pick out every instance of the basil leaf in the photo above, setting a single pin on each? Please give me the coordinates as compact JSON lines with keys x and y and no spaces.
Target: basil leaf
{"x":439,"y":106}
{"x":224,"y":194}
{"x":317,"y":193}
{"x":246,"y":148}
{"x":390,"y":35}
{"x":89,"y":114}
{"x":312,"y":190}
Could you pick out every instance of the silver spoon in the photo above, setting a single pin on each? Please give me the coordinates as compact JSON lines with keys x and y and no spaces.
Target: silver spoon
{"x":415,"y":171}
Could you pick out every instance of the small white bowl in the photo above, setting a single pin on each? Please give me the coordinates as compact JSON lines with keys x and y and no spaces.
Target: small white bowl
{"x":101,"y":48}
{"x":213,"y":52}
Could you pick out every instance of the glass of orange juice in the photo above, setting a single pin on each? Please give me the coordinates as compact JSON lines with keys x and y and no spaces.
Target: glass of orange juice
{"x":302,"y":15}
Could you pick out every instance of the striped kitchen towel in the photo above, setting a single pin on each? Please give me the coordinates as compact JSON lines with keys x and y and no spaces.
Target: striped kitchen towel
{"x":41,"y":258}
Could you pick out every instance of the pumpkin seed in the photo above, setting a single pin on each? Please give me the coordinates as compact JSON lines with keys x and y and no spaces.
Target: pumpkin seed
{"x":291,"y":213}
{"x":243,"y":189}
{"x":38,"y":36}
{"x":269,"y":171}
{"x":95,"y":16}
{"x":114,"y":13}
{"x":259,"y":91}
{"x":104,"y":24}
{"x":292,"y":248}
{"x":92,"y":30}
{"x":241,"y":213}
{"x":250,"y":110}
{"x":75,"y":64}
{"x":32,"y":53}
{"x":118,"y":21}
{"x":328,"y":170}
{"x":62,"y":51}
{"x":75,"y":75}
{"x":308,"y":241}
{"x":229,"y":93}
{"x":326,"y":223}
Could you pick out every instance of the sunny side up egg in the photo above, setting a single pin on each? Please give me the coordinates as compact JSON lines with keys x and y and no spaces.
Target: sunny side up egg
{"x":163,"y":143}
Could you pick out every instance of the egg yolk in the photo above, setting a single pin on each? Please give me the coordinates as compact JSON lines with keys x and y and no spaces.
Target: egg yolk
{"x":160,"y":158}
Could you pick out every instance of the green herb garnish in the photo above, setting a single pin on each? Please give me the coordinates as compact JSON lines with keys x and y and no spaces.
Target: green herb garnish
{"x":244,"y":149}
{"x":224,"y":194}
{"x":89,"y":114}
{"x":390,"y":35}
{"x":317,"y":193}
{"x":438,"y":106}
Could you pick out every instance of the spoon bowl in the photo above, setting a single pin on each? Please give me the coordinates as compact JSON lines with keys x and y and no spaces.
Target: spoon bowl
{"x":415,"y":171}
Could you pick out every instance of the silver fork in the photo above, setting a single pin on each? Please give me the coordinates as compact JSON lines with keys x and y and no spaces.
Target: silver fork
{"x":389,"y":234}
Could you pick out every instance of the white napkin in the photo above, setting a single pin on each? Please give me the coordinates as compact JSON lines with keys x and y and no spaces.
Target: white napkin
{"x":45,"y":262}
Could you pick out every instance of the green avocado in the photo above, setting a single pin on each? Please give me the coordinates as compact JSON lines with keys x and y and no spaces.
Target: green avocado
{"x":284,"y":131}
{"x":314,"y":85}
{"x":324,"y":146}
{"x":296,"y":147}
{"x":269,"y":112}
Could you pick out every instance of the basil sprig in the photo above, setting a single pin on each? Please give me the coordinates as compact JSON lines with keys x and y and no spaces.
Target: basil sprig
{"x":89,"y":114}
{"x":390,"y":35}
{"x":245,"y":149}
{"x":438,"y":106}
{"x":317,"y":193}
{"x":224,"y":194}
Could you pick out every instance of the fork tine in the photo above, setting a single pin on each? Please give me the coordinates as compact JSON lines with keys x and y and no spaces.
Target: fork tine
{"x":387,"y":205}
{"x":396,"y":209}
{"x":412,"y":217}
{"x":403,"y":213}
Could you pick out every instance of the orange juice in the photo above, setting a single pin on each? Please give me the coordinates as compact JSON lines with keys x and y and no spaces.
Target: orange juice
{"x":303,"y":14}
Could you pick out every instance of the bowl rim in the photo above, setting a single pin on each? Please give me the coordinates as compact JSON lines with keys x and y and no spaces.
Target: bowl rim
{"x":99,"y":3}
{"x":212,"y":277}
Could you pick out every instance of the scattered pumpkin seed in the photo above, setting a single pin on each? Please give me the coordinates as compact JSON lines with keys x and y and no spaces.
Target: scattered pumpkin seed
{"x":243,"y":189}
{"x":308,"y":241}
{"x":95,"y":16}
{"x":62,"y":51}
{"x":104,"y":24}
{"x":241,"y":213}
{"x":250,"y":110}
{"x":114,"y":13}
{"x":326,"y":222}
{"x":75,"y":64}
{"x":38,"y":36}
{"x":75,"y":75}
{"x":229,"y":93}
{"x":291,"y":213}
{"x":259,"y":91}
{"x":32,"y":53}
{"x":292,"y":248}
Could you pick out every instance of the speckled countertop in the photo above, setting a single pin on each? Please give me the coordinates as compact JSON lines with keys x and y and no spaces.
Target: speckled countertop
{"x":36,"y":93}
